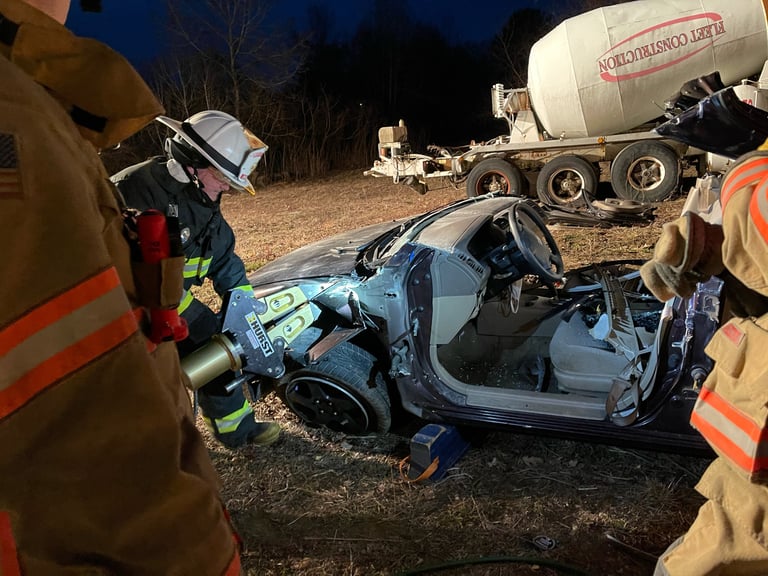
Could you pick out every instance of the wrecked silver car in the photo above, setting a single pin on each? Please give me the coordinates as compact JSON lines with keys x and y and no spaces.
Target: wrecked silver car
{"x":465,"y":315}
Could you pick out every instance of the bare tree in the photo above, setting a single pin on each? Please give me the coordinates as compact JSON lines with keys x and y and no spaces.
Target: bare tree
{"x":512,"y":45}
{"x":224,"y":52}
{"x":568,"y":8}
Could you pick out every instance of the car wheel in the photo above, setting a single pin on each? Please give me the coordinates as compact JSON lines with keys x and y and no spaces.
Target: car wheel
{"x":564,"y":179}
{"x":645,"y":171}
{"x":343,"y":391}
{"x":495,"y":175}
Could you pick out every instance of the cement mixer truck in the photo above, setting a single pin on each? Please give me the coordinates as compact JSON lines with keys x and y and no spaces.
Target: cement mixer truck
{"x":597,"y":84}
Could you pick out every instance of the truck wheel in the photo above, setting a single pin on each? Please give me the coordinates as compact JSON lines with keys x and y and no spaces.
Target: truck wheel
{"x":343,"y":391}
{"x":645,"y":172}
{"x":564,"y":179}
{"x":495,"y":175}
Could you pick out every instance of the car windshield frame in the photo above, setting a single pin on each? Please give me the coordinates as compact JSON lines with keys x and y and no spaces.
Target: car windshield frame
{"x":389,"y":243}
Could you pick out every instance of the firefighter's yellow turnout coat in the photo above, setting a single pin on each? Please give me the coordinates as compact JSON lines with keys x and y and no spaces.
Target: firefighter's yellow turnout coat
{"x":730,"y":534}
{"x":102,"y":470}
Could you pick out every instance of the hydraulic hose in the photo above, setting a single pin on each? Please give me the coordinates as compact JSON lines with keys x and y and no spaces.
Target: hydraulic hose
{"x":558,"y":566}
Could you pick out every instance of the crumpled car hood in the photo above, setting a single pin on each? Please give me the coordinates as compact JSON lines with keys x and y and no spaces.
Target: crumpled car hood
{"x":332,"y":256}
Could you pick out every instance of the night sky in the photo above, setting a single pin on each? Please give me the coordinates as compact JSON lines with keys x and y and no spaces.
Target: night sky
{"x":135,"y":28}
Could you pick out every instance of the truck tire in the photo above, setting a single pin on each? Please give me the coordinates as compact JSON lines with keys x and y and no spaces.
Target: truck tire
{"x":646,"y":172}
{"x":564,"y":179}
{"x":495,"y":175}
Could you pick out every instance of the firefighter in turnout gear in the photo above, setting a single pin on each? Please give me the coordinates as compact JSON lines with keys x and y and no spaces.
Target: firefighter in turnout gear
{"x":102,"y":470}
{"x":730,"y":533}
{"x":210,"y":154}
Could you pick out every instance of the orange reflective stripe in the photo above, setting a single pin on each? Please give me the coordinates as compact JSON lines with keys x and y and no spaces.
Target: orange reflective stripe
{"x":61,"y":336}
{"x":750,"y":172}
{"x":58,"y":307}
{"x":758,"y":208}
{"x":9,"y":561}
{"x":731,"y":432}
{"x":234,"y":566}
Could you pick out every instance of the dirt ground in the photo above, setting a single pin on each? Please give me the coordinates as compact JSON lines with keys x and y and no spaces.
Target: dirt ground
{"x":320,"y":503}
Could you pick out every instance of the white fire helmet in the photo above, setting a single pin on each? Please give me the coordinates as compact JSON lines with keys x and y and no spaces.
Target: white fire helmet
{"x":223,"y":141}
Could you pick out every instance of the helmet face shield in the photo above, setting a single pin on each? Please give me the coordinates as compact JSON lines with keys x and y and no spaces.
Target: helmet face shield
{"x":252,"y":156}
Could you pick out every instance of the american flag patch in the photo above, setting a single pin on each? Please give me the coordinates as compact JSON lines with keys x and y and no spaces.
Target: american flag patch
{"x":10,"y":179}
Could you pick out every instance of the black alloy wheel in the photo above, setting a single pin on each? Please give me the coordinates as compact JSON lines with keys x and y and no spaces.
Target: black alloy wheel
{"x":343,"y":391}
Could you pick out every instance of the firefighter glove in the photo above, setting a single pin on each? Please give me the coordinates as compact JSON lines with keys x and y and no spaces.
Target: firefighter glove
{"x":687,"y":252}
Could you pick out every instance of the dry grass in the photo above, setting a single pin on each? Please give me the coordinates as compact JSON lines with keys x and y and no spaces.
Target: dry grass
{"x":283,"y":217}
{"x":286,"y":216}
{"x":318,"y":503}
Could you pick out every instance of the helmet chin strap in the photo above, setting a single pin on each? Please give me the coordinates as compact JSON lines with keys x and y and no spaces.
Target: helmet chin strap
{"x":186,"y":168}
{"x":193,"y":177}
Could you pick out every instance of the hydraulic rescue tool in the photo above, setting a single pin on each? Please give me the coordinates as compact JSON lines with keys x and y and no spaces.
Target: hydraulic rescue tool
{"x":255,"y":332}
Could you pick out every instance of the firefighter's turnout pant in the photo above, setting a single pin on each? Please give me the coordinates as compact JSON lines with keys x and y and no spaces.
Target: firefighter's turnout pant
{"x":228,"y":415}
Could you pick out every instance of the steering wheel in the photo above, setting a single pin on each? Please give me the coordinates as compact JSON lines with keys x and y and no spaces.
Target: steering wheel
{"x":532,"y":246}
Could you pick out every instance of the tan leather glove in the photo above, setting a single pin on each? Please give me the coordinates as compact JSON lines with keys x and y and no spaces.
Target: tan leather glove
{"x":688,"y":251}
